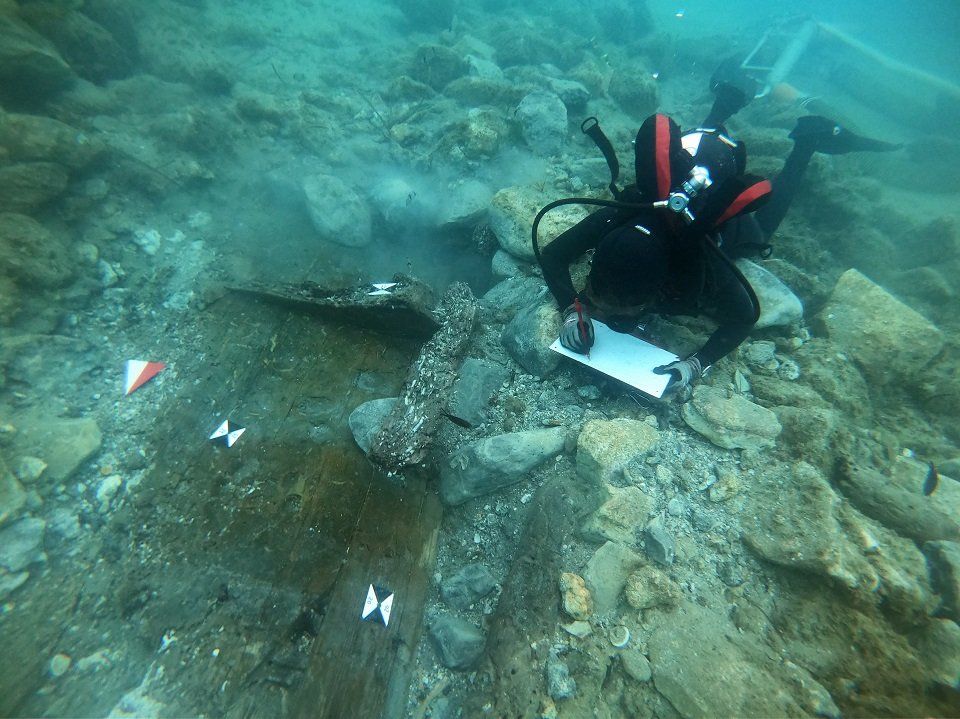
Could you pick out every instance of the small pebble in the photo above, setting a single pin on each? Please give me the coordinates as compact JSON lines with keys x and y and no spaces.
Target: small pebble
{"x":59,"y":665}
{"x":675,"y":507}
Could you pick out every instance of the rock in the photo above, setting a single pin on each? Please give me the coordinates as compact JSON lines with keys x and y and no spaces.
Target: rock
{"x":659,"y":544}
{"x":492,"y":463}
{"x":636,"y":91}
{"x":606,"y":574}
{"x":64,"y":443}
{"x":649,"y":587}
{"x":528,"y":336}
{"x":459,"y":643}
{"x":619,"y":517}
{"x":471,"y":583}
{"x":761,"y":355}
{"x":543,"y":122}
{"x":890,"y":341}
{"x":726,"y":487}
{"x":59,"y":665}
{"x":578,"y":629}
{"x":437,"y":66}
{"x":605,"y":447}
{"x":367,"y":419}
{"x":835,"y":378}
{"x":88,"y":47}
{"x":779,"y":307}
{"x":475,"y":386}
{"x":11,"y":582}
{"x":773,"y":391}
{"x":29,"y":469}
{"x":338,"y":212}
{"x":801,"y":523}
{"x":810,"y":433}
{"x":944,"y":559}
{"x":31,"y":70}
{"x":109,"y":486}
{"x":573,"y":94}
{"x":482,"y":67}
{"x":636,"y":665}
{"x":560,"y":685}
{"x":705,"y":668}
{"x":505,"y":299}
{"x":730,"y":422}
{"x":938,"y":642}
{"x":477,"y":91}
{"x":465,"y":204}
{"x":512,"y":212}
{"x":20,"y":544}
{"x":908,"y":513}
{"x":31,"y":138}
{"x":12,"y":496}
{"x":504,"y":265}
{"x":30,"y":185}
{"x":575,"y":597}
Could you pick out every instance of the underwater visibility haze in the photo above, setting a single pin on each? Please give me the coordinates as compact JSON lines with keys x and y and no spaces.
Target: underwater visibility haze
{"x":297,"y":419}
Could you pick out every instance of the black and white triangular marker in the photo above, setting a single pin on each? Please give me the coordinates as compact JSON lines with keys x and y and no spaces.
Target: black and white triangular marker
{"x":227,"y":433}
{"x":376,"y":608}
{"x":382,"y":288}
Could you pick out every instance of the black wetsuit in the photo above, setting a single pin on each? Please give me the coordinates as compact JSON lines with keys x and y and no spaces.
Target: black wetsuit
{"x":697,"y":282}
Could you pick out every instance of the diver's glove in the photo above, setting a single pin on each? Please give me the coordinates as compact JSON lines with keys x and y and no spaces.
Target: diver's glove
{"x":683,"y":372}
{"x":826,"y":136}
{"x":577,"y":331}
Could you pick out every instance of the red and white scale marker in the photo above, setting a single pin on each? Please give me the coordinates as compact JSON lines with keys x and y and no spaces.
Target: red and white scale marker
{"x":139,"y":372}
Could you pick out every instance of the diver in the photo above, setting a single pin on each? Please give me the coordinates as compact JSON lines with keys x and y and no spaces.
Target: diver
{"x":665,"y":245}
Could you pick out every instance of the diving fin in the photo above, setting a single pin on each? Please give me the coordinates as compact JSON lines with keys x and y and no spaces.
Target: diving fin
{"x":830,"y":138}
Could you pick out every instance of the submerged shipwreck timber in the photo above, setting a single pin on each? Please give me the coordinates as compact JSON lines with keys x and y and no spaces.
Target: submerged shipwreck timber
{"x":405,"y":435}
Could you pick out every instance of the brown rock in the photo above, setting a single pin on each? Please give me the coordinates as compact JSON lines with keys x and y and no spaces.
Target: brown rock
{"x":31,"y":255}
{"x":31,"y":69}
{"x":577,"y":601}
{"x":28,"y":185}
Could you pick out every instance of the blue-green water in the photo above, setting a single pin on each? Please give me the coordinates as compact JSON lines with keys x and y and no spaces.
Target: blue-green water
{"x":780,"y":540}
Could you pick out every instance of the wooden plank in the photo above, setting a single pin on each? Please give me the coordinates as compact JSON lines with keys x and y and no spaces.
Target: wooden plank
{"x":361,"y":668}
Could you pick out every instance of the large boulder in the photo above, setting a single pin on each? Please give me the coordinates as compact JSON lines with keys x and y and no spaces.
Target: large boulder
{"x":64,"y":443}
{"x":779,"y":306}
{"x":543,"y":122}
{"x":338,"y":213}
{"x":705,"y":668}
{"x":32,"y":138}
{"x":605,"y":447}
{"x":799,"y":521}
{"x":89,"y":48}
{"x":31,"y":255}
{"x":732,"y":422}
{"x":511,"y":215}
{"x":528,"y":337}
{"x":31,"y":69}
{"x":889,"y":340}
{"x":30,"y":185}
{"x":492,"y":463}
{"x":437,"y":65}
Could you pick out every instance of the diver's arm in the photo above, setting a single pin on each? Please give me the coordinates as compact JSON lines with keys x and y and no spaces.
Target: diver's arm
{"x":556,"y":257}
{"x":733,"y":309}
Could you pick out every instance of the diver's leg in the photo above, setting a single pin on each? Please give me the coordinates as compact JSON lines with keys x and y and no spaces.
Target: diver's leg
{"x":812,"y":133}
